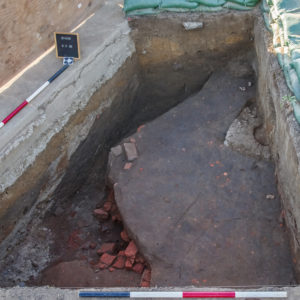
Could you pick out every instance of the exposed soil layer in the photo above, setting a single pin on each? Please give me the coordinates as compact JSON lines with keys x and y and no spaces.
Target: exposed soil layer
{"x":202,"y":213}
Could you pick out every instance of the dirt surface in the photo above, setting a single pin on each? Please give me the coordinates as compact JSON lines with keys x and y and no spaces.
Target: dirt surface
{"x":202,"y":213}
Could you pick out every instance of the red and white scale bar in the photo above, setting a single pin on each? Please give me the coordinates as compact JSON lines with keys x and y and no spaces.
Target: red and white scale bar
{"x":208,"y":295}
{"x":32,"y":96}
{"x":217,"y":294}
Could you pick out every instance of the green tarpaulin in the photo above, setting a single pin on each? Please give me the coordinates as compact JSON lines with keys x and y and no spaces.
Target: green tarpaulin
{"x":140,"y":7}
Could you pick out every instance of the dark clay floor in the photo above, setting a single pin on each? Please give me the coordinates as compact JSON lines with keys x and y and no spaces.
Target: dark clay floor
{"x":201,"y":213}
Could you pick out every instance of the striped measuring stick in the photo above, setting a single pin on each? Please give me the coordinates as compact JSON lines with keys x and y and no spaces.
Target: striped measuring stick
{"x":271,"y":294}
{"x":32,"y":96}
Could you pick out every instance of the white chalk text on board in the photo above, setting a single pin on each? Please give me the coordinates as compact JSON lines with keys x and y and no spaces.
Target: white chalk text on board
{"x":67,"y":45}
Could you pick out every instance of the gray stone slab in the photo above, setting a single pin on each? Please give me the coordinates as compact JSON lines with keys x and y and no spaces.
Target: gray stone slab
{"x":197,"y":209}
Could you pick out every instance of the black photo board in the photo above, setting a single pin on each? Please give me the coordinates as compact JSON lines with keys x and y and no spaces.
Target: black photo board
{"x":67,"y":45}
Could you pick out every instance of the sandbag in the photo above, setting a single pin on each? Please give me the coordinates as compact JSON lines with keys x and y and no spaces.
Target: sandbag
{"x":231,"y":5}
{"x":285,"y":5}
{"x":177,"y":4}
{"x":203,"y":8}
{"x":143,"y":12}
{"x":295,"y":83}
{"x":245,"y":2}
{"x":264,"y":6}
{"x":130,"y":5}
{"x":296,"y":107}
{"x":210,"y":3}
{"x":296,"y":66}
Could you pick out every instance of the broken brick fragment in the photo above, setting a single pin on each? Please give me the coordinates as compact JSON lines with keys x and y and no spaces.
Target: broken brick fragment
{"x":107,"y":206}
{"x":106,"y":247}
{"x":101,"y":214}
{"x":145,"y":284}
{"x":121,"y":253}
{"x":111,"y":269}
{"x":107,"y":259}
{"x":120,"y":262}
{"x":146,"y":275}
{"x":131,"y":250}
{"x":128,"y":264}
{"x":138,"y":268}
{"x":124,"y":236}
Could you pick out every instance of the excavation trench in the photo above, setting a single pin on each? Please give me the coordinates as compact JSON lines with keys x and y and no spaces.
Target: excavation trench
{"x":224,"y":214}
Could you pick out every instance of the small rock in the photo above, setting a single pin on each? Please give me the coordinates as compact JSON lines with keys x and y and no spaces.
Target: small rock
{"x":107,"y":206}
{"x":120,"y":262}
{"x":132,"y":140}
{"x":249,"y":83}
{"x":131,"y":152}
{"x":131,"y":250}
{"x":270,"y":196}
{"x":107,"y":247}
{"x":138,"y":268}
{"x":192,"y":25}
{"x":116,"y":151}
{"x":127,"y":166}
{"x":242,"y":88}
{"x":101,"y":214}
{"x":124,"y":236}
{"x":107,"y":259}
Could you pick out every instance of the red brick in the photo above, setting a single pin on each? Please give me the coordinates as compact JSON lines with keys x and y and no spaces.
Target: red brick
{"x":139,"y":259}
{"x":101,"y":214}
{"x":138,"y":268}
{"x":146,"y":275}
{"x":145,"y":284}
{"x":128,"y":264}
{"x":107,"y":259}
{"x":120,"y":262}
{"x":131,"y":250}
{"x":121,"y":253}
{"x":124,"y":236}
{"x":111,"y":269}
{"x":107,"y":206}
{"x":106,"y":247}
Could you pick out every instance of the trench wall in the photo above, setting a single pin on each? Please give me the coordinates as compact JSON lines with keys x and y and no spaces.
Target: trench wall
{"x":283,"y":133}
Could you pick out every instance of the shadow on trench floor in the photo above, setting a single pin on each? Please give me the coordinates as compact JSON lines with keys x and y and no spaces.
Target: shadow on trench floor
{"x":202,"y":213}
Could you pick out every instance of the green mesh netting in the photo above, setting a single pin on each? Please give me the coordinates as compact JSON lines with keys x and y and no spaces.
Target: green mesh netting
{"x":282,"y":17}
{"x":141,"y":7}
